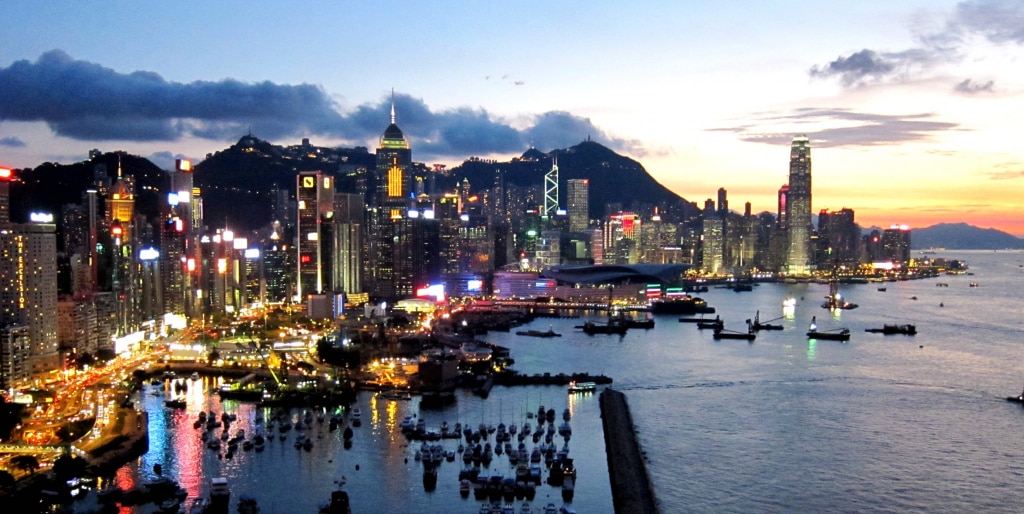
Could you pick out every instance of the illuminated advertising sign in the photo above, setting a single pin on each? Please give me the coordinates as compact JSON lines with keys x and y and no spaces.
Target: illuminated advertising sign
{"x":474,"y":285}
{"x":240,"y":243}
{"x":6,"y":174}
{"x":40,"y":217}
{"x":183,"y":165}
{"x":252,"y":253}
{"x":149,"y":254}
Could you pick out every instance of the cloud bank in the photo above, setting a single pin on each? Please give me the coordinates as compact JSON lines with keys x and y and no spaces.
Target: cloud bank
{"x":997,"y":21}
{"x":829,"y":128}
{"x":86,"y":101}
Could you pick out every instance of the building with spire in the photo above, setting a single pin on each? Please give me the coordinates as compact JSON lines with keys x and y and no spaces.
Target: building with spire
{"x":798,"y":209}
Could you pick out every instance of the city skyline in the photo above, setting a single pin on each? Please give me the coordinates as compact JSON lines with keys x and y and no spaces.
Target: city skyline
{"x":904,"y":105}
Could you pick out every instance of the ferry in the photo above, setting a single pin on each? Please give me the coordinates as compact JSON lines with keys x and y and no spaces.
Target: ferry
{"x":582,"y":387}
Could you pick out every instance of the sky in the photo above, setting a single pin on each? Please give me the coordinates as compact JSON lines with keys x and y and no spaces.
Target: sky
{"x":912,"y":107}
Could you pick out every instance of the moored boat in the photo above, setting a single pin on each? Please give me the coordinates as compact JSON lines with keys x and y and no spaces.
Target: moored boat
{"x":842,"y":334}
{"x":887,"y":329}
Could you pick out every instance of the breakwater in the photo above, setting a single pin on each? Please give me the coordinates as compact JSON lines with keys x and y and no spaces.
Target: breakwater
{"x":631,"y":487}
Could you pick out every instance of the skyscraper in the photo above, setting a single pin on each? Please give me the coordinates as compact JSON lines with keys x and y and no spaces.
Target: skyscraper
{"x":28,"y":293}
{"x":315,"y":194}
{"x":798,"y":209}
{"x":577,"y":195}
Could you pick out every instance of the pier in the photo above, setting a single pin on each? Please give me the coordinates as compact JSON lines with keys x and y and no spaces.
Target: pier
{"x":631,"y":487}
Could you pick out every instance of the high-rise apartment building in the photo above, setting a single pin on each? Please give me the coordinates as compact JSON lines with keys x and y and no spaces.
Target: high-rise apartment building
{"x":798,"y":208}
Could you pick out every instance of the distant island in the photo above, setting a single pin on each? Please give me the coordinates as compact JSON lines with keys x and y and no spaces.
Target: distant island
{"x":961,"y":236}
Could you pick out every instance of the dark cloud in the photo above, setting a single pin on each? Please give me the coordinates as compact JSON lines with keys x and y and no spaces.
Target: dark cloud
{"x":868,"y":66}
{"x":11,"y":142}
{"x":968,"y":86}
{"x":999,"y":21}
{"x":859,"y":129}
{"x":86,"y":101}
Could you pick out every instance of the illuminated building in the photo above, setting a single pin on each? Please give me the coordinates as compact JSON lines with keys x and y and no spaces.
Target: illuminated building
{"x":175,"y":260}
{"x":14,"y":352}
{"x":578,"y":200}
{"x":551,"y":190}
{"x":314,"y":192}
{"x":6,"y":174}
{"x":28,"y":291}
{"x":896,"y":245}
{"x":840,"y":239}
{"x":712,"y":249}
{"x":278,"y":268}
{"x":347,"y":249}
{"x":798,"y":208}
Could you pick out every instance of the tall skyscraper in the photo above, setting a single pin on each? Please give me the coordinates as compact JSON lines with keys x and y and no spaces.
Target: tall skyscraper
{"x":723,"y":203}
{"x":315,"y":194}
{"x":578,"y":199}
{"x":798,"y":209}
{"x":551,"y":190}
{"x":28,"y":293}
{"x":393,"y":161}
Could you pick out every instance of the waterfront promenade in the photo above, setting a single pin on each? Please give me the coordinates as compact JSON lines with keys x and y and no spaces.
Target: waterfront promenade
{"x":631,"y":487}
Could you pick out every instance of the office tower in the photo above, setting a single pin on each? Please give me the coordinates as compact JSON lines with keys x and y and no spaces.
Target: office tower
{"x":314,"y":192}
{"x":28,"y":294}
{"x":783,"y":209}
{"x":798,"y":208}
{"x":578,"y":199}
{"x":840,"y":238}
{"x":175,"y":261}
{"x":120,"y":219}
{"x":347,"y":256}
{"x":388,"y":241}
{"x":896,"y":246}
{"x":393,"y":161}
{"x":551,"y":190}
{"x":723,"y":203}
{"x":713,"y":247}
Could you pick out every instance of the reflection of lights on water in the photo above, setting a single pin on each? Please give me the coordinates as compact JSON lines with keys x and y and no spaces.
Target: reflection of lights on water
{"x":812,"y":346}
{"x":789,"y":307}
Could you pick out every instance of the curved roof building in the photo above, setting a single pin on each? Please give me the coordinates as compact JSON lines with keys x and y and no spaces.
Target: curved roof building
{"x":619,"y":273}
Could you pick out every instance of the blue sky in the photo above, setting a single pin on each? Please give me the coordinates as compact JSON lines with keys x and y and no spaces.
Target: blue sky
{"x":909,"y":105}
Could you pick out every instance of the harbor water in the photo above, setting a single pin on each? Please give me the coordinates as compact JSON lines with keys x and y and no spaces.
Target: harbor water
{"x":882,"y":423}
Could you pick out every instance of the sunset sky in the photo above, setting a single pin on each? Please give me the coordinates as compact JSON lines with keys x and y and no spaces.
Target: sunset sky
{"x":912,"y":107}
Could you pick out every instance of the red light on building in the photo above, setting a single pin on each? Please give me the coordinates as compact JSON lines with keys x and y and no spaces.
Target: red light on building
{"x":116,"y":229}
{"x":305,"y":259}
{"x":6,"y":174}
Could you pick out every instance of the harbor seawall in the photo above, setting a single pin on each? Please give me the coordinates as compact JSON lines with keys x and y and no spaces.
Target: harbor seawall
{"x":631,"y":487}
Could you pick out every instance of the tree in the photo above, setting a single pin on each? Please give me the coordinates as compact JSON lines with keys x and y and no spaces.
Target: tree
{"x":6,"y":479}
{"x":68,"y":466}
{"x":27,"y":463}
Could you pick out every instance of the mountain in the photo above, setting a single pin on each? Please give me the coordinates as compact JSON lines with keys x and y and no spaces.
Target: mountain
{"x":236,"y":182}
{"x":961,"y":236}
{"x":614,"y":179}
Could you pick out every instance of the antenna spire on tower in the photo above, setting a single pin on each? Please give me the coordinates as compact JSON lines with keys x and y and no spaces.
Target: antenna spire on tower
{"x":392,"y":105}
